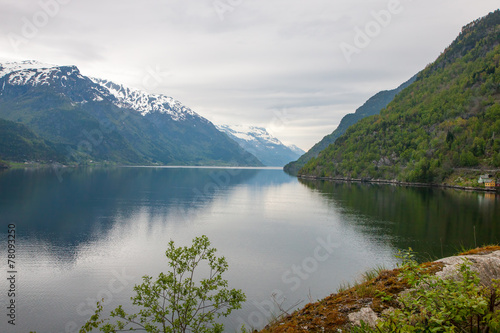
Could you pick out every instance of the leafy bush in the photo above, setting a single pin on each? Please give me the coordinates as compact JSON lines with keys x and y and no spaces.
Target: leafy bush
{"x":175,"y":302}
{"x":434,"y":304}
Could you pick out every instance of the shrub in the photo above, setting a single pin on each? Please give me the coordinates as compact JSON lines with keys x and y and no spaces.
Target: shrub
{"x":175,"y":302}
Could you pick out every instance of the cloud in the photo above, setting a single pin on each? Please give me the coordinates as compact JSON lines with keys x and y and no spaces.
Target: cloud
{"x":248,"y":61}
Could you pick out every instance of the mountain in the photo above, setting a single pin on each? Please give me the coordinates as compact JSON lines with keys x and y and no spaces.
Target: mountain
{"x":298,"y":151}
{"x":444,"y":128}
{"x":371,"y":107}
{"x":257,"y":141}
{"x":89,"y":119}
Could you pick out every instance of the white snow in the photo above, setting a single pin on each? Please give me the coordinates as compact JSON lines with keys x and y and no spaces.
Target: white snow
{"x":296,"y":149}
{"x":250,"y":133}
{"x":145,"y":103}
{"x":30,"y":72}
{"x":35,"y":73}
{"x":9,"y":67}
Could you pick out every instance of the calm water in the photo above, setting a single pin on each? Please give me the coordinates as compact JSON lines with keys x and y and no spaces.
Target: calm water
{"x":94,"y":234}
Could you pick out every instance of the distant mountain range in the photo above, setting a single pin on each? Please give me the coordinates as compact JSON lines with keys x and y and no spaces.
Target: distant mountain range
{"x":257,"y":141}
{"x":54,"y":113}
{"x":443,"y":128}
{"x":371,"y":107}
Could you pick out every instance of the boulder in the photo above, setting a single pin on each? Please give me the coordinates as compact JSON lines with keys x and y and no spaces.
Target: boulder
{"x":486,"y":265}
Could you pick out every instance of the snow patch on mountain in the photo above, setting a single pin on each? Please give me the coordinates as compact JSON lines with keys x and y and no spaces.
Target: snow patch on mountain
{"x":35,"y":73}
{"x":257,"y":141}
{"x":145,"y":103}
{"x":9,"y":67}
{"x":297,"y":150}
{"x":250,"y":133}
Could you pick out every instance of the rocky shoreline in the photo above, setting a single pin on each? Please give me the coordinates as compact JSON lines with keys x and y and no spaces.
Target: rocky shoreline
{"x":363,"y":302}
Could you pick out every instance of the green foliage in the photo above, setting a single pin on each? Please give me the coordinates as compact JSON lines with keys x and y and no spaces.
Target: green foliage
{"x":18,"y":143}
{"x":371,"y":107}
{"x":178,"y":301}
{"x":434,"y":304}
{"x":467,"y":159}
{"x":448,"y":119}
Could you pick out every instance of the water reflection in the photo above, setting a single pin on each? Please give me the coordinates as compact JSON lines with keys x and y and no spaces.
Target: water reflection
{"x":433,"y":221}
{"x":69,"y":211}
{"x":95,"y":234}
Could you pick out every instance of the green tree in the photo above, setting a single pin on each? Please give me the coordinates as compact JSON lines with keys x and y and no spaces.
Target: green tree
{"x":178,"y":301}
{"x":467,"y":159}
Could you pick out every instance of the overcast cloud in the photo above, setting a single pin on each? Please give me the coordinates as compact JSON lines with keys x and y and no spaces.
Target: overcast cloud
{"x":273,"y":63}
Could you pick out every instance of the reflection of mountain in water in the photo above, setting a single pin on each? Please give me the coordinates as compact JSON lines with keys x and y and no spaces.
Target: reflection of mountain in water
{"x":68,"y":212}
{"x":434,"y":221}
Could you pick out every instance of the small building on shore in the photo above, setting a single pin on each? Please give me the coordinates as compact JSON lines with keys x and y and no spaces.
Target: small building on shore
{"x":488,"y":181}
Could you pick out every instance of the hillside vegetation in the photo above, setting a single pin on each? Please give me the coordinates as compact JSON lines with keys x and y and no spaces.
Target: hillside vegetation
{"x":371,"y":107}
{"x":444,"y":124}
{"x":18,"y":143}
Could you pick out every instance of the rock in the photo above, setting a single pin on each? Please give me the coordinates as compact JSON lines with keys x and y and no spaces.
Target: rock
{"x":366,"y":314}
{"x":486,"y":265}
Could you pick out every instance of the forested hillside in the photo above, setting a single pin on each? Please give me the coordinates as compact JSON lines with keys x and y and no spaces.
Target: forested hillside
{"x":18,"y":143}
{"x":446,"y":122}
{"x":371,"y":107}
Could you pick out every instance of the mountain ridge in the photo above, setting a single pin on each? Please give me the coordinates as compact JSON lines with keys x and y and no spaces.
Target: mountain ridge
{"x":371,"y":107}
{"x":100,"y":121}
{"x":257,"y":141}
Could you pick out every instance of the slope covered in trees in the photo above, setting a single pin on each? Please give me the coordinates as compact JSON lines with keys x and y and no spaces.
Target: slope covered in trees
{"x":18,"y":143}
{"x":371,"y":107}
{"x":446,"y":122}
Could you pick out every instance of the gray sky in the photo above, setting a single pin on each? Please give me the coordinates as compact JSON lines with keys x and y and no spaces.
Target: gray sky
{"x":294,"y":67}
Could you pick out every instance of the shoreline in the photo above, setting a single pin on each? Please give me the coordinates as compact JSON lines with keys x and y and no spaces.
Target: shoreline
{"x":400,"y":183}
{"x":17,"y":165}
{"x":375,"y":294}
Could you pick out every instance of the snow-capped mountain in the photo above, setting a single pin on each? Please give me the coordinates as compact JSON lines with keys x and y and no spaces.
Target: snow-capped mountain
{"x":28,"y":72}
{"x":93,"y":119}
{"x":67,"y":79}
{"x":35,"y":73}
{"x":296,"y":150}
{"x":257,"y":141}
{"x":145,"y":103}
